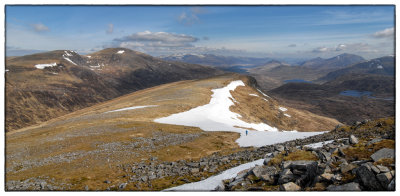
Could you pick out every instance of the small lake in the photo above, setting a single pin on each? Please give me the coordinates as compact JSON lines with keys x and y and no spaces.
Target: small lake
{"x":356,"y":93}
{"x":296,"y":81}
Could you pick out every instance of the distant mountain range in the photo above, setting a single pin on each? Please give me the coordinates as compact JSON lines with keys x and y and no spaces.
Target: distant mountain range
{"x":339,"y":61}
{"x":46,"y":85}
{"x":275,"y":73}
{"x":216,"y":60}
{"x":374,"y":77}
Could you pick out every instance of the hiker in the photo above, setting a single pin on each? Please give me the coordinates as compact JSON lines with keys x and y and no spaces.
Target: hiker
{"x":246,"y":132}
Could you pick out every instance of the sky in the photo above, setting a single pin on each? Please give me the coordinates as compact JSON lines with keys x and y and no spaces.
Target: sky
{"x":256,"y":31}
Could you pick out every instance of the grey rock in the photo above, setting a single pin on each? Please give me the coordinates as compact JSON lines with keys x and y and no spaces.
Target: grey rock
{"x":279,"y":148}
{"x":286,"y":176}
{"x":192,"y":164}
{"x":299,"y":165}
{"x":375,"y":169}
{"x":345,"y":187}
{"x":368,"y":179}
{"x":353,"y":139}
{"x":86,"y":188}
{"x":194,"y":170}
{"x":347,"y":167}
{"x":122,"y":186}
{"x":326,"y":177}
{"x":290,"y":186}
{"x":266,"y":160}
{"x":383,"y":154}
{"x":383,"y":169}
{"x":242,"y":174}
{"x":152,"y":177}
{"x":258,"y":171}
{"x":325,"y":156}
{"x":384,"y":179}
{"x":268,"y":178}
{"x":373,"y":141}
{"x":391,"y":186}
{"x":144,"y":178}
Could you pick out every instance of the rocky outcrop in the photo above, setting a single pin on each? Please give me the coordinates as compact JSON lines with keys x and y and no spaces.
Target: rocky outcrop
{"x":323,"y":168}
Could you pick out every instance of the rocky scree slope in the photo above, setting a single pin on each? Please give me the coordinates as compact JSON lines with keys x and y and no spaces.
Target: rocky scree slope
{"x":346,"y":164}
{"x":43,"y":86}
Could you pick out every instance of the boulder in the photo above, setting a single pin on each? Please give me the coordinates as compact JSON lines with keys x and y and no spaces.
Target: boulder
{"x":383,"y":169}
{"x":384,"y":179}
{"x":345,"y":187}
{"x":353,"y":139}
{"x":266,"y":160}
{"x":373,"y":141}
{"x":279,"y":148}
{"x":368,"y":179}
{"x":326,"y":177}
{"x":325,"y":156}
{"x":268,"y":178}
{"x":391,"y":186}
{"x":383,"y":154}
{"x":347,"y":167}
{"x":286,"y":176}
{"x":242,"y":174}
{"x":290,"y":186}
{"x":299,"y":165}
{"x":258,"y":171}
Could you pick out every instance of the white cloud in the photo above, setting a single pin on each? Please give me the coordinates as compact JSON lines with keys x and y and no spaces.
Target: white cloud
{"x":40,"y":27}
{"x":110,"y":28}
{"x":386,"y":33}
{"x":156,"y":39}
{"x":192,"y":16}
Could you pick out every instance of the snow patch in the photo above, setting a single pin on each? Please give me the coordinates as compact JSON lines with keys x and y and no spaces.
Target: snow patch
{"x":212,"y":182}
{"x":282,"y":109}
{"x":263,"y":93}
{"x":131,"y":108}
{"x":42,"y":66}
{"x":265,"y":99}
{"x":121,"y":52}
{"x":89,"y":57}
{"x":287,"y":115}
{"x":7,"y":70}
{"x":68,"y":54}
{"x":380,"y":67}
{"x":66,"y":58}
{"x":255,"y":95}
{"x":319,"y":144}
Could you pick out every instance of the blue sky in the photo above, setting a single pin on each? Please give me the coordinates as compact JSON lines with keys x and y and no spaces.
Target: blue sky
{"x":261,"y":31}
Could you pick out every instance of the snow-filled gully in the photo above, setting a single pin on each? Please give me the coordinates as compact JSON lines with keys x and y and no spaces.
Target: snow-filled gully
{"x":216,"y":116}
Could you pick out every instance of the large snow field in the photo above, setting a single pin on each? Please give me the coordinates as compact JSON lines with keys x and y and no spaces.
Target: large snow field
{"x":216,"y":116}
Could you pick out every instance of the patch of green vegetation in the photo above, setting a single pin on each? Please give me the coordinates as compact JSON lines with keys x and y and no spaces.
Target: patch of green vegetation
{"x":300,"y":155}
